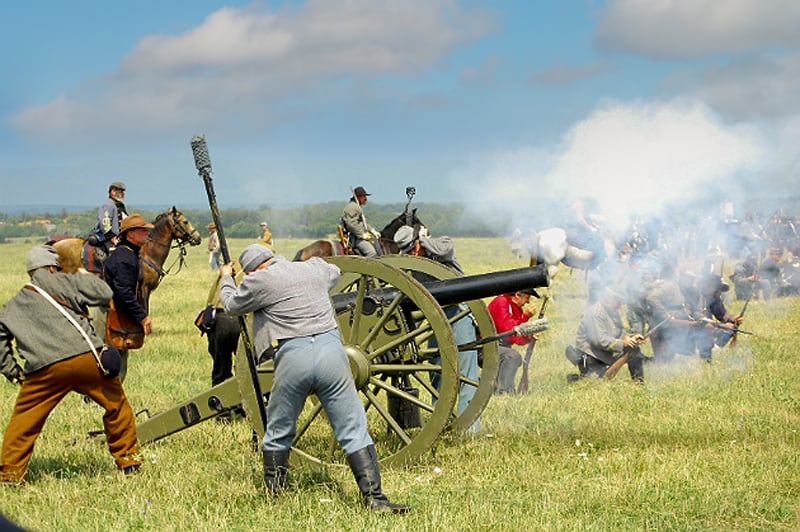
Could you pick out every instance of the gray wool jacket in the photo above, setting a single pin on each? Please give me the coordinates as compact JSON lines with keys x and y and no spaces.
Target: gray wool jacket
{"x":287,"y":299}
{"x":600,"y":332}
{"x":42,"y":334}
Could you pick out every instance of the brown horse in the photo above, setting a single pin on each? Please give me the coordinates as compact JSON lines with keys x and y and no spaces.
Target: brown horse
{"x":168,"y":226}
{"x":330,"y":248}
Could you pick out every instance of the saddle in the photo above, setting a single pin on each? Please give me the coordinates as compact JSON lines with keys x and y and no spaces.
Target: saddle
{"x":93,"y":257}
{"x":343,"y":245}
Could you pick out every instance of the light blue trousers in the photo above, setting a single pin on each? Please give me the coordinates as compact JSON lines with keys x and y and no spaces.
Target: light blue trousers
{"x":316,"y":365}
{"x":464,"y":332}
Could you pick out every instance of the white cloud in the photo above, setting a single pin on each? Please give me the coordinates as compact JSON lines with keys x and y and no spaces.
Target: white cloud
{"x":689,"y":28}
{"x":237,"y":65}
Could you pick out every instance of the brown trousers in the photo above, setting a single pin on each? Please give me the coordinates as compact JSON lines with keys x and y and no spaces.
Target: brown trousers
{"x":39,"y":394}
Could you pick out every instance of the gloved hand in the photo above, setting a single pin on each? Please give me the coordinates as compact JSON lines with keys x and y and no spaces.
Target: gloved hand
{"x":366,"y":236}
{"x":376,"y":233}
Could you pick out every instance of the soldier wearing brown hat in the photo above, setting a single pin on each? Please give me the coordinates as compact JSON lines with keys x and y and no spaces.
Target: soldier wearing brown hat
{"x":121,"y":272}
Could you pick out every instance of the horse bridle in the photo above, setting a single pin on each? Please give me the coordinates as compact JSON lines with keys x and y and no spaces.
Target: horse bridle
{"x":182,"y":238}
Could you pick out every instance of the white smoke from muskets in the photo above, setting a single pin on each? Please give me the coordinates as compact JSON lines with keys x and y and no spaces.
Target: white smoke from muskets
{"x":627,"y":159}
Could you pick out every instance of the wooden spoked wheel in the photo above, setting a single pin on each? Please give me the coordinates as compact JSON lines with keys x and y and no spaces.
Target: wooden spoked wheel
{"x":476,"y":312}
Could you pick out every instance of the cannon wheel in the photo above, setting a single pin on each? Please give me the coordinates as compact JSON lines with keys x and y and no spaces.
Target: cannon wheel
{"x":485,"y":325}
{"x":391,"y":363}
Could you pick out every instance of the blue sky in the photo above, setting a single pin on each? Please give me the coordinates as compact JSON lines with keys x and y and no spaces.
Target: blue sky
{"x":634,"y":103}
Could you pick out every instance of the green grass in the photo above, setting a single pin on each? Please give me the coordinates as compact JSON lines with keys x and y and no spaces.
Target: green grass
{"x":698,"y":447}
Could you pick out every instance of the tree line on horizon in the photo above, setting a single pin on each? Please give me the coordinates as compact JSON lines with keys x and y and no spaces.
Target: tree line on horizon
{"x":308,"y":221}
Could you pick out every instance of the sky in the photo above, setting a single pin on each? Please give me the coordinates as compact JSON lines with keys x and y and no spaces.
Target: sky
{"x":500,"y":105}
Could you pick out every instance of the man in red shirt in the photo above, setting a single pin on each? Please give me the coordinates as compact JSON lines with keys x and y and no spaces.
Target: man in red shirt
{"x":507,"y":312}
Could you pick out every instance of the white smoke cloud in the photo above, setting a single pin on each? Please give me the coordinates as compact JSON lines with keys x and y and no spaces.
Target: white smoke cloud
{"x":629,"y":159}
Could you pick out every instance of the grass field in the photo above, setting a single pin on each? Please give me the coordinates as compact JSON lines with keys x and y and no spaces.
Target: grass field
{"x":698,"y":447}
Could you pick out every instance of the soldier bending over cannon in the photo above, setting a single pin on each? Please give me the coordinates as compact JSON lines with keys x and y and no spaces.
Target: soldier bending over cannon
{"x":290,"y":303}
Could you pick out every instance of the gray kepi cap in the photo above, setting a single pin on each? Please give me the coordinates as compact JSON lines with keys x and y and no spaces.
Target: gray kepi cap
{"x":253,"y":256}
{"x":42,"y":256}
{"x":404,"y":238}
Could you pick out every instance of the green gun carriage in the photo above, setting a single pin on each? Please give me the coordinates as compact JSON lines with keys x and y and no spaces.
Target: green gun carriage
{"x":397,"y":337}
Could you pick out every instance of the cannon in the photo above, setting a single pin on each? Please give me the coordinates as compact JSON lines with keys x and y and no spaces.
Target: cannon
{"x":393,"y":316}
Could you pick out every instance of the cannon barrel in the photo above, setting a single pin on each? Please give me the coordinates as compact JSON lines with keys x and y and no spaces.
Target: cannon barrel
{"x":461,"y":289}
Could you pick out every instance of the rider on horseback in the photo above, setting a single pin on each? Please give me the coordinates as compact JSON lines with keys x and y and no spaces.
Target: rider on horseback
{"x":363,"y":237}
{"x":109,"y":215}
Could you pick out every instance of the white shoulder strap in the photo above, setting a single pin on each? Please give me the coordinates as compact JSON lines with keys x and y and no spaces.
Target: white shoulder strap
{"x":66,"y":314}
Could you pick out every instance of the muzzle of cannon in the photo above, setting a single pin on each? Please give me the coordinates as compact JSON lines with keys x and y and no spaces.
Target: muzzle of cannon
{"x":398,"y":334}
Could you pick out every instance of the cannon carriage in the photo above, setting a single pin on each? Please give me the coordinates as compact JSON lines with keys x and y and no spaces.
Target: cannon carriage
{"x":398,"y":334}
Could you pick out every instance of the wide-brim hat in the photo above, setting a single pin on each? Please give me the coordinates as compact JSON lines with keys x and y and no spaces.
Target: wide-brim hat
{"x":134,"y":221}
{"x":404,"y":238}
{"x":360,"y":191}
{"x":212,"y":225}
{"x":119,"y":185}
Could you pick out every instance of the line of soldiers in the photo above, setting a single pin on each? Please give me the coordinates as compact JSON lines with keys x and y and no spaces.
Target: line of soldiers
{"x":680,"y":313}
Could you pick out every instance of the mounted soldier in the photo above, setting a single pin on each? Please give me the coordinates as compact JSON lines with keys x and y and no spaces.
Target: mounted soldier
{"x":109,"y":216}
{"x":363,"y":238}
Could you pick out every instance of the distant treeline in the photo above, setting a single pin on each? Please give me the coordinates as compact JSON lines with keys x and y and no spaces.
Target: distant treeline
{"x":308,"y":221}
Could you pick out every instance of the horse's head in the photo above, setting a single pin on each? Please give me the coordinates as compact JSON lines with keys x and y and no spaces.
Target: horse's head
{"x":182,"y":229}
{"x":399,"y":221}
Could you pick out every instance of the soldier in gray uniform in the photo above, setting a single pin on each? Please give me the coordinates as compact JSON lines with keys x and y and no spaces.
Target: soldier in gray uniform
{"x":363,"y":237}
{"x":601,"y":339}
{"x":290,"y":304}
{"x":56,"y":355}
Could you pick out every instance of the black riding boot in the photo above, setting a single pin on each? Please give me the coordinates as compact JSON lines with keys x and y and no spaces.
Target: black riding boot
{"x":364,"y":464}
{"x":276,"y":469}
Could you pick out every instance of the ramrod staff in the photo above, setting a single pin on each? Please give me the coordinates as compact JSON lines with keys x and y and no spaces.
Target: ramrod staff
{"x":203,"y":163}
